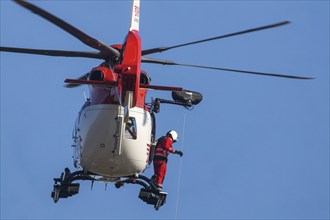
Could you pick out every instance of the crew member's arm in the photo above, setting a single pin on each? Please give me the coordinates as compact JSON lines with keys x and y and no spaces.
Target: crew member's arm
{"x":167,"y":145}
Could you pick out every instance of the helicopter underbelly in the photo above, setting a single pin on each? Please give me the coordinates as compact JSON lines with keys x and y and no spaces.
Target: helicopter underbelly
{"x":108,"y":145}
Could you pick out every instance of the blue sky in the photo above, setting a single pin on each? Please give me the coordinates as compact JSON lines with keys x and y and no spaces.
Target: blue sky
{"x":255,"y":148}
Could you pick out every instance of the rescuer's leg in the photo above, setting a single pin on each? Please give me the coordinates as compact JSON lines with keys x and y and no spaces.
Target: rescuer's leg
{"x":160,"y":171}
{"x":161,"y":175}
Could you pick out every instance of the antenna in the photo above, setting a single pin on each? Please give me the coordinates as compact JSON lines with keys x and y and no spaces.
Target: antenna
{"x":85,"y":96}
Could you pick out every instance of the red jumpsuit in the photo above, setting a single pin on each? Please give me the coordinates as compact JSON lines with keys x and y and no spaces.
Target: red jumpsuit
{"x":163,"y":148}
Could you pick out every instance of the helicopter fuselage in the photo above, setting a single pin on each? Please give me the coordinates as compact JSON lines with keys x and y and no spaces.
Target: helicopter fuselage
{"x":111,"y":139}
{"x":107,"y":145}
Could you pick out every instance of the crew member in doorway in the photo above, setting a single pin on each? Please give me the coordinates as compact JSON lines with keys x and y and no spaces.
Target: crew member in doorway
{"x":163,"y":149}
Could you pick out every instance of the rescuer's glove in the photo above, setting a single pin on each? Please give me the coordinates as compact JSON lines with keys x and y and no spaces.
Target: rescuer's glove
{"x":179,"y":153}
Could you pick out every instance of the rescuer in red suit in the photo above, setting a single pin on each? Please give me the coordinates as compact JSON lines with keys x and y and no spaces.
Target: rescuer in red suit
{"x":163,"y":149}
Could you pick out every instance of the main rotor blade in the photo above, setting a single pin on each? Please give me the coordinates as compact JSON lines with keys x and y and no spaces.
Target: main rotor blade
{"x":59,"y":53}
{"x":86,"y":39}
{"x":168,"y":62}
{"x":162,"y":49}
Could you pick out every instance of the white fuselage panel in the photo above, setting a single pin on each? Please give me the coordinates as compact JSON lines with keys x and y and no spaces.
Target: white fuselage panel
{"x":110,"y":145}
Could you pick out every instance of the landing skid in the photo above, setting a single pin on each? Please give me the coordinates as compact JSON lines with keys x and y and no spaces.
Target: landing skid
{"x":148,"y":193}
{"x":153,"y":197}
{"x":64,"y":187}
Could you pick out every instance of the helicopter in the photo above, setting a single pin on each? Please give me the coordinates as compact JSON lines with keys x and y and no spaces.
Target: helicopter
{"x":114,"y":135}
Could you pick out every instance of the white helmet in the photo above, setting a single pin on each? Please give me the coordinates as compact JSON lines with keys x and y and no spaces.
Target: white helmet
{"x":174,"y":135}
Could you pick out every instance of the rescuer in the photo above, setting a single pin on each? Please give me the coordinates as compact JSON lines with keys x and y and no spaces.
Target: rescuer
{"x":163,"y":149}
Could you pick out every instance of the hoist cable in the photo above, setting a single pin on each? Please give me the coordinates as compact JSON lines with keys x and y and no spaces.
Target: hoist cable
{"x":180,"y":168}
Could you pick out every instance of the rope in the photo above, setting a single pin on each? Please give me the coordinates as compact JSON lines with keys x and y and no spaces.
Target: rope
{"x":180,"y":168}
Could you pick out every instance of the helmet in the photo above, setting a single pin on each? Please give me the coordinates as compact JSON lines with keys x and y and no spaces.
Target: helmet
{"x":174,"y":135}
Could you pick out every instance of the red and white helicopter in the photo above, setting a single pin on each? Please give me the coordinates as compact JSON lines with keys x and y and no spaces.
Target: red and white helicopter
{"x":115,"y":132}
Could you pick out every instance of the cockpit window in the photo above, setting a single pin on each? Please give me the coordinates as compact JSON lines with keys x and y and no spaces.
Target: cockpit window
{"x":131,"y":129}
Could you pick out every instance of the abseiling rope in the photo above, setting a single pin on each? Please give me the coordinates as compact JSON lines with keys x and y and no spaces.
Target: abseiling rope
{"x":180,"y":169}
